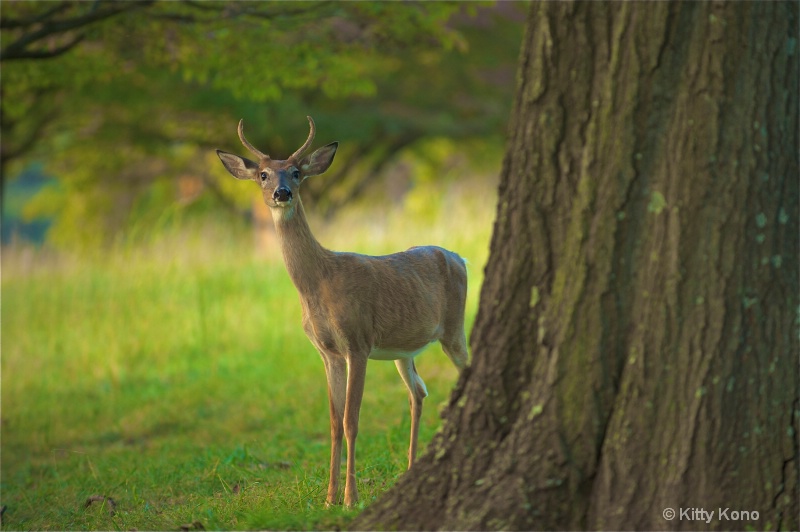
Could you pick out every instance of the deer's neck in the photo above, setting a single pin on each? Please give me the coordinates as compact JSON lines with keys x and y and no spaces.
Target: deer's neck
{"x":303,"y":255}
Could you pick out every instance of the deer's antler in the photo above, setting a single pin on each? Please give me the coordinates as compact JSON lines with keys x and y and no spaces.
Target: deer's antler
{"x":309,"y":140}
{"x":247,"y":144}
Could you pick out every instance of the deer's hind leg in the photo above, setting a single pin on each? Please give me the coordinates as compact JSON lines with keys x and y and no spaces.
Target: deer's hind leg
{"x":417,"y":392}
{"x":455,"y":347}
{"x":454,"y":338}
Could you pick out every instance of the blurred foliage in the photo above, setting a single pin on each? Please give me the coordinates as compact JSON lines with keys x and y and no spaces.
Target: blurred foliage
{"x":126,"y":109}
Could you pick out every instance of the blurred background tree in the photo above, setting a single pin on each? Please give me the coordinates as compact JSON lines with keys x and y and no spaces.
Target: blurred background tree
{"x":123,"y":103}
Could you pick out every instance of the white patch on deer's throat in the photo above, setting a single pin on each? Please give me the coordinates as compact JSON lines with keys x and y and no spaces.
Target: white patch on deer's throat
{"x":282,"y":212}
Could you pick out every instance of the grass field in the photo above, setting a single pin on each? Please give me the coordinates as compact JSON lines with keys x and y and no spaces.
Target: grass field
{"x":173,"y":380}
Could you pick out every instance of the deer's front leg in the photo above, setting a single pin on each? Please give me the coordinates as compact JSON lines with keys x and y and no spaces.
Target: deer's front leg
{"x":355,"y":391}
{"x":336,"y":372}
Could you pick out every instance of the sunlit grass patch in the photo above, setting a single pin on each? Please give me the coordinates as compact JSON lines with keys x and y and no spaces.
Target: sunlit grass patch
{"x":173,"y":378}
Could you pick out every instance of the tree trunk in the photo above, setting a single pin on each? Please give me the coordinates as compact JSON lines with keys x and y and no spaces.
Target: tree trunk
{"x":635,"y":350}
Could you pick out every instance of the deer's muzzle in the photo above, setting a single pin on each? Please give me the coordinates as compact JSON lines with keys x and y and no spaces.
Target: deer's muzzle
{"x":282,"y":195}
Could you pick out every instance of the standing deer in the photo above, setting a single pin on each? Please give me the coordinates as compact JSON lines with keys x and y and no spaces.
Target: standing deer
{"x":356,"y":307}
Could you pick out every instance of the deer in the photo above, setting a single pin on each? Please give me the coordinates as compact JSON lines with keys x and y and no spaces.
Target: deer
{"x":358,"y":307}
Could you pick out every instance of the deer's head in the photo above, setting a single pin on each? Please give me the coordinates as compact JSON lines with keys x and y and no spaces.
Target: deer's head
{"x":279,"y":180}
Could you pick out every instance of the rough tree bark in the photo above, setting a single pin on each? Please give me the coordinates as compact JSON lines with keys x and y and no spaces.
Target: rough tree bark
{"x":637,"y":338}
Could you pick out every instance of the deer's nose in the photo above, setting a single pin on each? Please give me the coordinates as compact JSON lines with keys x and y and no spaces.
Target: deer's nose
{"x":282,"y":194}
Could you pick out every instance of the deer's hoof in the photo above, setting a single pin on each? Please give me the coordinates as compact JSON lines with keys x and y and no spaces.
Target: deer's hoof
{"x":351,"y":502}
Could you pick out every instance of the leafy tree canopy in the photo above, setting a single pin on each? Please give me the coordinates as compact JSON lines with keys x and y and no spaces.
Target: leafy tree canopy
{"x":119,"y":97}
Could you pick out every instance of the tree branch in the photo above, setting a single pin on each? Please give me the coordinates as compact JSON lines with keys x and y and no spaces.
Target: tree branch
{"x":309,"y":8}
{"x":332,"y":181}
{"x":371,"y":174}
{"x":7,"y":153}
{"x":6,"y":23}
{"x":233,"y":10}
{"x":45,"y":54}
{"x":19,"y":48}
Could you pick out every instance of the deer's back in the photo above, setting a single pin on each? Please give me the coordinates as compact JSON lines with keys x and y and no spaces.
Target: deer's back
{"x":395,"y":303}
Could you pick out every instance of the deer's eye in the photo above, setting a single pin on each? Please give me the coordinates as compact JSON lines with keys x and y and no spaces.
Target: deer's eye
{"x":263,"y":176}
{"x":296,"y":173}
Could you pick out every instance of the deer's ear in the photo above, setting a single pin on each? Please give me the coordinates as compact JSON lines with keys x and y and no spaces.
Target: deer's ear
{"x":319,"y":161}
{"x":239,"y":167}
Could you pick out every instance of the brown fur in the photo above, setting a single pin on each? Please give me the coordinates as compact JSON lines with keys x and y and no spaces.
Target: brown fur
{"x":357,"y":307}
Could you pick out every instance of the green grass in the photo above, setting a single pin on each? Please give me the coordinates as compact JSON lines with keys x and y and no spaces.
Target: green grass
{"x":174,"y":378}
